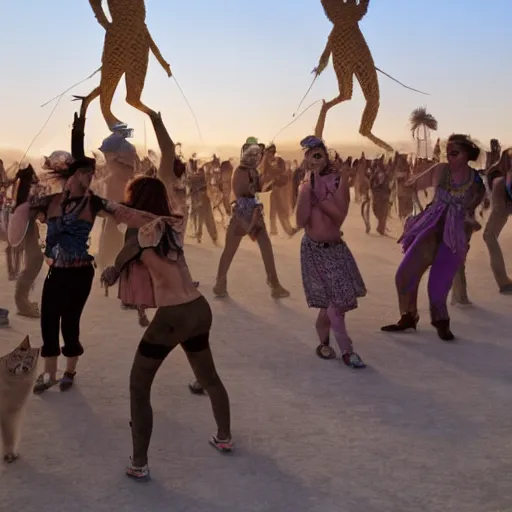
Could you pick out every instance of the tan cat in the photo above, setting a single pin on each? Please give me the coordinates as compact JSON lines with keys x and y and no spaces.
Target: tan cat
{"x":18,"y":372}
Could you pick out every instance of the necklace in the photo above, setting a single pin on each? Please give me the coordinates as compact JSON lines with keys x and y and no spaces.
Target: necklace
{"x":458,"y":190}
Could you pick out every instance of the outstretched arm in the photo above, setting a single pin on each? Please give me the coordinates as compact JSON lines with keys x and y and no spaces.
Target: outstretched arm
{"x":99,"y":13}
{"x":120,"y":213}
{"x":324,"y":58}
{"x":159,"y":57}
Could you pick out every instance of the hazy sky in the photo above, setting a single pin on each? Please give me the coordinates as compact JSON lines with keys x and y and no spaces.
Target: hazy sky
{"x":244,"y":66}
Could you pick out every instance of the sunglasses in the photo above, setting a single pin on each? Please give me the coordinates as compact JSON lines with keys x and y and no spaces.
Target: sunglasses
{"x":317,"y":156}
{"x":453,"y":153}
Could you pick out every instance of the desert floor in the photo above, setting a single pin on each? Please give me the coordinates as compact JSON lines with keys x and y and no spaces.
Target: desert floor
{"x":426,"y":427}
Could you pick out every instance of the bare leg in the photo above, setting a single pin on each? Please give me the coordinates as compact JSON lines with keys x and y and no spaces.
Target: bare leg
{"x":267,"y":255}
{"x":365,"y":213}
{"x":231,"y":246}
{"x":283,"y":213}
{"x":323,"y":326}
{"x":209,"y":219}
{"x":337,"y":319}
{"x":495,"y":224}
{"x":460,"y":287}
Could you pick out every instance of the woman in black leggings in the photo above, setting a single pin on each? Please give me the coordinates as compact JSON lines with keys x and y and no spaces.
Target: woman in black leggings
{"x":183,"y":318}
{"x":70,"y":217}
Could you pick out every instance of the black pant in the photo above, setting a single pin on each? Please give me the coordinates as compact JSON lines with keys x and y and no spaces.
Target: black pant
{"x":65,"y":293}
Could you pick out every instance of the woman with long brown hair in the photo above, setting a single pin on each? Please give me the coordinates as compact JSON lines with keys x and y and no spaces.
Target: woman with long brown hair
{"x":183,"y":318}
{"x":135,"y":290}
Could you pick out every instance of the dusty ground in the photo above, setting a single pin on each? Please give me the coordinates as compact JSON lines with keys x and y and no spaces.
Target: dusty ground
{"x":426,"y":427}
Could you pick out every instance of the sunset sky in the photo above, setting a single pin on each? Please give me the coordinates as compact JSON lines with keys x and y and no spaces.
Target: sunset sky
{"x":244,"y":66}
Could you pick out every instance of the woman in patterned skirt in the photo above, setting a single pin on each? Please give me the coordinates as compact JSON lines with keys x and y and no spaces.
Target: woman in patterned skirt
{"x":332,"y":282}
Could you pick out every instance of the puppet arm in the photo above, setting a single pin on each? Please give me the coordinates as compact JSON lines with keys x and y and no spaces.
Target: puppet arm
{"x":158,"y":55}
{"x":324,"y":58}
{"x":99,"y":13}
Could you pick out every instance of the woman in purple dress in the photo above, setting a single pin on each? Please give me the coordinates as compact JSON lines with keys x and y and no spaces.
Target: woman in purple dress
{"x":438,"y":237}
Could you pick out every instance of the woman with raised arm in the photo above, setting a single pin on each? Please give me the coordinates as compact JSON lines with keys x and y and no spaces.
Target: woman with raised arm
{"x":332,"y":281}
{"x":183,"y":318}
{"x":69,"y":216}
{"x":438,"y":237}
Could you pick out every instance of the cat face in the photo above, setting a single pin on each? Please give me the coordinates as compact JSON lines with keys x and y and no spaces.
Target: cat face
{"x":21,"y":361}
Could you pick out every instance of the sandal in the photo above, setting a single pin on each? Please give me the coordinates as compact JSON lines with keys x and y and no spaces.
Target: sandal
{"x":325,"y":351}
{"x":143,"y":319}
{"x":44,"y":383}
{"x":138,"y":473}
{"x":223,"y":446}
{"x":352,"y":360}
{"x":66,"y":383}
{"x":196,"y":388}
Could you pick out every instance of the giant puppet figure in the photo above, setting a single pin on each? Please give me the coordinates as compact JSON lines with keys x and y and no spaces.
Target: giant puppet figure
{"x":125,"y":52}
{"x":350,"y":56}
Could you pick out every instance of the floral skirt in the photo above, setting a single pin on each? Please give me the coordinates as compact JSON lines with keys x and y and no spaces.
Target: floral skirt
{"x":330,"y":275}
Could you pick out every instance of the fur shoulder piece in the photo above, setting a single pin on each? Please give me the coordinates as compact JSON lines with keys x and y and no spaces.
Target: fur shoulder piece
{"x":163,"y":235}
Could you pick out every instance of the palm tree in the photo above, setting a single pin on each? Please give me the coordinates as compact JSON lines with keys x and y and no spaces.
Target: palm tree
{"x":421,"y":121}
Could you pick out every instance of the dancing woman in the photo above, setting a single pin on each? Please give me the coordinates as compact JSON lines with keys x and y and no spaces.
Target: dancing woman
{"x":332,"y":281}
{"x":438,"y":237}
{"x":183,"y":318}
{"x":244,"y":221}
{"x":499,"y":178}
{"x":31,"y":249}
{"x":69,"y":216}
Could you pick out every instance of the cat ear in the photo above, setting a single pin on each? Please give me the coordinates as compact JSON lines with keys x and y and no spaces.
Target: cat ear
{"x":25,"y":344}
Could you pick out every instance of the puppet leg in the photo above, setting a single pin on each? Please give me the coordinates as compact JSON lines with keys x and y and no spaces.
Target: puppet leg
{"x":135,"y":79}
{"x":346,"y":86}
{"x":367,"y":77}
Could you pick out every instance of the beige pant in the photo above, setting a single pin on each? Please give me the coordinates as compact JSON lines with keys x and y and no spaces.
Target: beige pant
{"x":233,"y":240}
{"x":33,"y":264}
{"x":279,"y":209}
{"x":501,"y":209}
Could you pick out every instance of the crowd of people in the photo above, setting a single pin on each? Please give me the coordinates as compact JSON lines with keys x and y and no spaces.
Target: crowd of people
{"x":149,"y":261}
